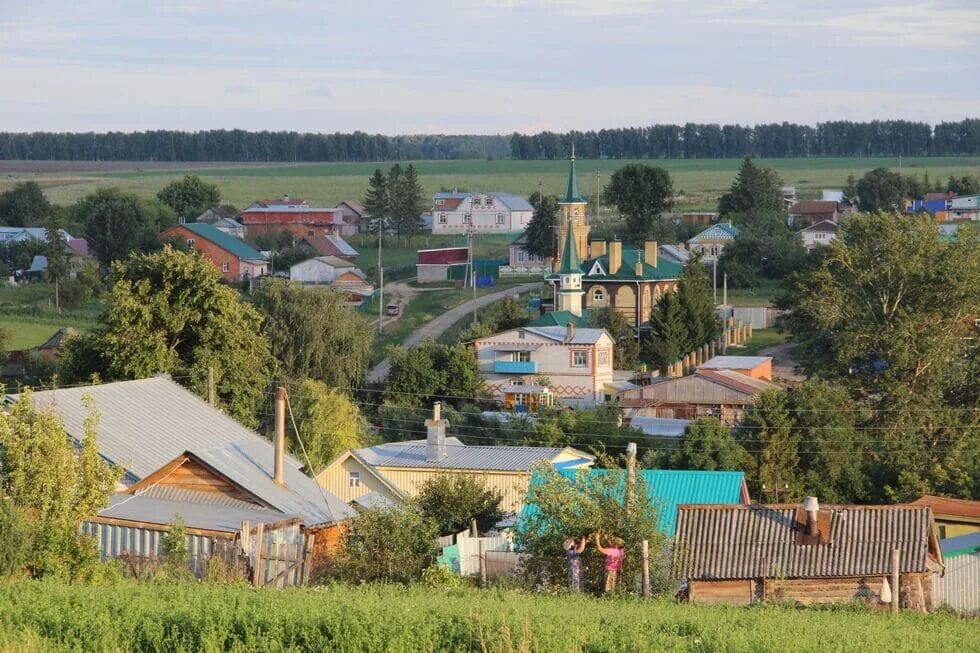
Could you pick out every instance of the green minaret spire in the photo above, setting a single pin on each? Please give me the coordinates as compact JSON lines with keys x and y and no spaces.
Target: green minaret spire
{"x":570,"y":262}
{"x":571,"y":188}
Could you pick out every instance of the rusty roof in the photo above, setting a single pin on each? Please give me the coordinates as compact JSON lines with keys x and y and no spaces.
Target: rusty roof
{"x":952,"y":507}
{"x":725,"y":542}
{"x":805,"y":207}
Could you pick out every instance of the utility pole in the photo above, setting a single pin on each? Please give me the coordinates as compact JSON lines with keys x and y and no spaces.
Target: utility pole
{"x":630,"y":477}
{"x":714,"y":278}
{"x":381,"y":277}
{"x":472,"y":270}
{"x":597,"y":196}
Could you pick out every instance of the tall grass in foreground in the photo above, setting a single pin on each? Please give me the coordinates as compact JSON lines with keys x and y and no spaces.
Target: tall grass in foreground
{"x":40,"y":616}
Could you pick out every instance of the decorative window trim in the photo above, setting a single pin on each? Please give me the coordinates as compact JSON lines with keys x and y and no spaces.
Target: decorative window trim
{"x":597,"y":270}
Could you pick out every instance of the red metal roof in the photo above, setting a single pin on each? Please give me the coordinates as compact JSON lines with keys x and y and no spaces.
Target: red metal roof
{"x":312,"y":216}
{"x":444,"y":256}
{"x":811,"y":207}
{"x":947,"y":506}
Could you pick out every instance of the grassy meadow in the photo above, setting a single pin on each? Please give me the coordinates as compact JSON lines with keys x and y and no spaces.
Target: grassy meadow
{"x":698,"y":181}
{"x":28,"y":315}
{"x":48,"y":616}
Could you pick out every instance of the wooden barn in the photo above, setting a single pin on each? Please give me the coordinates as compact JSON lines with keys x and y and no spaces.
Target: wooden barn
{"x":742,"y":554}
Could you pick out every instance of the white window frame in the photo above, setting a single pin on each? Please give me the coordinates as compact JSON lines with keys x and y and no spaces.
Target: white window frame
{"x":500,"y":218}
{"x":353,"y":479}
{"x":190,"y":242}
{"x":603,"y":357}
{"x":226,"y":266}
{"x":576,"y":354}
{"x":598,"y":295}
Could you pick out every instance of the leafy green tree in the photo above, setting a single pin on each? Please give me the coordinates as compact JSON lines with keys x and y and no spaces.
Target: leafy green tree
{"x":850,"y":188}
{"x":834,"y":456}
{"x":391,"y":545}
{"x":707,"y":445}
{"x":696,"y":298}
{"x":21,"y":253}
{"x":190,"y":196}
{"x":765,"y":248}
{"x":668,"y":337}
{"x":582,"y":506}
{"x":453,"y":500}
{"x":886,"y":312}
{"x":169,"y":312}
{"x":42,"y":472}
{"x":540,"y":232}
{"x":881,"y":190}
{"x":58,"y":266}
{"x":767,"y":434}
{"x":24,"y":205}
{"x":641,"y":194}
{"x":313,"y":334}
{"x":173,"y":547}
{"x":329,"y":423}
{"x":432,"y":372}
{"x":754,"y":190}
{"x":116,"y":224}
{"x":626,"y":354}
{"x":964,"y":185}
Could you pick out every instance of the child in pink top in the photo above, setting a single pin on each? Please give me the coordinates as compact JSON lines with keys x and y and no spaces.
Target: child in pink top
{"x":614,"y":561}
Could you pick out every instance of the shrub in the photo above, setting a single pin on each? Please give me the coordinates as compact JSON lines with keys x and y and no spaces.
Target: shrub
{"x":388,"y":544}
{"x":16,"y":535}
{"x":454,"y":500}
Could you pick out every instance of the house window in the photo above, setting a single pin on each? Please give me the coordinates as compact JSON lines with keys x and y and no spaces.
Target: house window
{"x":440,"y":202}
{"x":500,"y":218}
{"x":521,"y":357}
{"x":476,"y":201}
{"x":468,"y":218}
{"x":190,"y":242}
{"x":353,"y":479}
{"x":226,"y":267}
{"x":443,"y":219}
{"x":598,"y":295}
{"x":580,"y":358}
{"x":489,"y":201}
{"x":521,"y":335}
{"x":603,"y":357}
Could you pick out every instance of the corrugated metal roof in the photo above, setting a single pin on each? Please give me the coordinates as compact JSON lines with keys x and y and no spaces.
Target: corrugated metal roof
{"x":225,"y":241}
{"x":702,"y":387}
{"x":723,"y":231}
{"x":948,"y":506}
{"x":147,"y":423}
{"x":171,"y":493}
{"x":660,"y":426}
{"x":960,"y":545}
{"x":513,"y":202}
{"x":195,"y":514}
{"x":740,"y":542}
{"x":580,"y":336}
{"x":411,"y":453}
{"x":734,"y":362}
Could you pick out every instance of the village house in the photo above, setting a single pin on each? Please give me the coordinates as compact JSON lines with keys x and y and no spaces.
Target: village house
{"x":459,"y":213}
{"x":354,"y":213}
{"x":329,"y":246}
{"x":711,"y":242}
{"x":936,"y":204}
{"x":388,"y":473}
{"x":699,"y":217}
{"x":807,"y":553}
{"x":236,"y":260}
{"x":958,"y":586}
{"x":336,"y":273}
{"x":183,"y":458}
{"x":818,"y":234}
{"x":808,"y":212}
{"x":221,"y":220}
{"x":953,"y":517}
{"x":521,"y":262}
{"x":720,"y":393}
{"x":297,"y":217}
{"x":528,"y":367}
{"x":965,"y":208}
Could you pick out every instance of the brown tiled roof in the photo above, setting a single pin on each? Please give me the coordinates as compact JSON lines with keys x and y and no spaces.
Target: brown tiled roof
{"x":929,"y":197}
{"x":947,"y":506}
{"x":728,"y":542}
{"x":811,"y":207}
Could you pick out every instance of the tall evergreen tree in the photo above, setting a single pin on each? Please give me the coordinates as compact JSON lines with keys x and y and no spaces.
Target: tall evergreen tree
{"x":377,"y":201}
{"x":668,"y":337}
{"x":697,"y":304}
{"x":755,"y":189}
{"x":540,"y":232}
{"x":407,"y":200}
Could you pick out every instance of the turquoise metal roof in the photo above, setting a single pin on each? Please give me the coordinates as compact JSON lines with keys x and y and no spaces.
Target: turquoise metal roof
{"x":572,"y":196}
{"x":560,"y":318}
{"x":225,"y":241}
{"x":570,"y":262}
{"x":960,"y":545}
{"x":669,"y":488}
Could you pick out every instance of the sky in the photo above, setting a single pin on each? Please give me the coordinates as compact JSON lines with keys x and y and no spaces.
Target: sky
{"x":481,"y":66}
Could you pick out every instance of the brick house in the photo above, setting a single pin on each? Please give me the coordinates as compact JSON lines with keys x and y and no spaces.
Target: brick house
{"x":236,"y":259}
{"x":297,"y":217}
{"x":806,"y":212}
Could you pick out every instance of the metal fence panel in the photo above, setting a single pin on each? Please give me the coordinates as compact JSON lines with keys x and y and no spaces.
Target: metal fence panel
{"x":959,"y":587}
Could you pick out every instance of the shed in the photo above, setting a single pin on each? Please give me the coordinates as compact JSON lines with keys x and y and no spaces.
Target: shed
{"x":953,"y":516}
{"x":805,"y":553}
{"x":958,"y":587}
{"x":757,"y":367}
{"x":434,"y":265}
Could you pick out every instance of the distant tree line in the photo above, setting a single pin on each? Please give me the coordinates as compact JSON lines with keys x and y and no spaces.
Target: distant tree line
{"x":701,"y":141}
{"x":248,"y":146}
{"x":688,"y":141}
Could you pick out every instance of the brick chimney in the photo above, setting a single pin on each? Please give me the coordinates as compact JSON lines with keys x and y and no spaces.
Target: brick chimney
{"x":615,"y":256}
{"x":597,"y":248}
{"x":650,"y":251}
{"x":435,"y":438}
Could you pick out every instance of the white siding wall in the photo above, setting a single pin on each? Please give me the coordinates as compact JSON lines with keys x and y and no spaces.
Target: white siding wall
{"x":493,"y":219}
{"x":313,"y":271}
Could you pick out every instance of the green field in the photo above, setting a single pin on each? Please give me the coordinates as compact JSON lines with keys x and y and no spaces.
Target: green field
{"x":699,"y":181}
{"x":761,"y":338}
{"x":28,"y":316}
{"x":47,"y":616}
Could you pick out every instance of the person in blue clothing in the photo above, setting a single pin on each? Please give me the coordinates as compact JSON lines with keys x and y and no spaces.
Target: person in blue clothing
{"x":574,"y":546}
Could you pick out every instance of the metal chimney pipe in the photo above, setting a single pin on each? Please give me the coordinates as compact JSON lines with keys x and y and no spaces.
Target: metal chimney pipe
{"x":812,"y":507}
{"x":279,"y":444}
